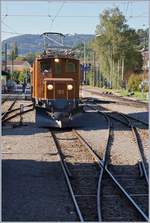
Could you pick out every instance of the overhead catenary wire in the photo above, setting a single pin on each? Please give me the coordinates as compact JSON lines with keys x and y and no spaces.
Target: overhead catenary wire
{"x":127,"y":7}
{"x":9,"y":32}
{"x":9,"y":27}
{"x":57,"y":13}
{"x":65,"y":16}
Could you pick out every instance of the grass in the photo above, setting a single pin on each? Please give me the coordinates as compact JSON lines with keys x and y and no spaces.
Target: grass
{"x":137,"y":94}
{"x":121,"y":92}
{"x":141,"y":96}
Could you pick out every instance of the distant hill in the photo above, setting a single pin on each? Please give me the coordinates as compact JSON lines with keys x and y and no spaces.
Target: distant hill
{"x":34,"y":43}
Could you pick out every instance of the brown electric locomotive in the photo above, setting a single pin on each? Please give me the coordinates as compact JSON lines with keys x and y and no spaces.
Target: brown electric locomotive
{"x":55,"y":88}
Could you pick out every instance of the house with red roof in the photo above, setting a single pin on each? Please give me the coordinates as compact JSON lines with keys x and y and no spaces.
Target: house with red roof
{"x":18,"y":66}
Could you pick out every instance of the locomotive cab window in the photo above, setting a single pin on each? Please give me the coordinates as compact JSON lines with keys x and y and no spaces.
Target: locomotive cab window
{"x":58,"y":68}
{"x":70,"y":67}
{"x":45,"y":67}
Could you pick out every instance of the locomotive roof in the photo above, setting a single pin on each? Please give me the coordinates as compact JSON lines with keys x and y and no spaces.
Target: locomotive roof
{"x":61,"y":53}
{"x":58,"y":79}
{"x":58,"y":56}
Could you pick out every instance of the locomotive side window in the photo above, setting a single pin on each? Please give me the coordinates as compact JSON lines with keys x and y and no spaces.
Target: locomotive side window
{"x":45,"y":67}
{"x":70,"y":67}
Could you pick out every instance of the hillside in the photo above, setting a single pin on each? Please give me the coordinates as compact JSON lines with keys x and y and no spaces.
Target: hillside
{"x":34,"y":43}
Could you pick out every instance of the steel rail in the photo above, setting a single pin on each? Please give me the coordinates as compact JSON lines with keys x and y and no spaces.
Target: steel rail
{"x":104,"y":160}
{"x":15,"y":109}
{"x":140,"y":146}
{"x":129,"y":117}
{"x":9,"y":109}
{"x":144,"y":123}
{"x":135,"y":135}
{"x":141,"y":121}
{"x":12,"y":105}
{"x":15,"y":115}
{"x":101,"y":164}
{"x":138,"y":141}
{"x":67,"y":177}
{"x":105,"y":163}
{"x":123,"y":100}
{"x":4,"y":100}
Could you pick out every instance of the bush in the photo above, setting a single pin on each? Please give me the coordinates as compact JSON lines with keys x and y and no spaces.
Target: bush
{"x":22,"y":76}
{"x":89,"y":78}
{"x":134,"y":82}
{"x":146,"y":87}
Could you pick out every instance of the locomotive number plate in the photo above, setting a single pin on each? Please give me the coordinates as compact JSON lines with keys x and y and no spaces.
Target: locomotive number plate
{"x":60,"y":91}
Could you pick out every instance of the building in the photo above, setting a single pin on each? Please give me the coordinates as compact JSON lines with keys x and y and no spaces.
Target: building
{"x":18,"y":66}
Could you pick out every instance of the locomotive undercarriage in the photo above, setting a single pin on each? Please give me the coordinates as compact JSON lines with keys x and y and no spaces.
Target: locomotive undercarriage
{"x":58,"y":113}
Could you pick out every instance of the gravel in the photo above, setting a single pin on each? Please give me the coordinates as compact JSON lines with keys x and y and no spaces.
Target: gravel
{"x":33,"y":184}
{"x":32,"y":177}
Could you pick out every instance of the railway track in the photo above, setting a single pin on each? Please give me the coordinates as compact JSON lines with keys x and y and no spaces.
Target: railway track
{"x":134,"y":125}
{"x":12,"y":113}
{"x":4,"y":100}
{"x":133,"y":193}
{"x":138,"y":141}
{"x":98,"y":101}
{"x":81,"y":173}
{"x":12,"y":104}
{"x":97,"y":187}
{"x":98,"y":202}
{"x":119,"y":100}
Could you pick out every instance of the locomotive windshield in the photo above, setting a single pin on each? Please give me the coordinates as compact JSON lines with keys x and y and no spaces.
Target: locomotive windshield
{"x":70,"y":67}
{"x":58,"y":69}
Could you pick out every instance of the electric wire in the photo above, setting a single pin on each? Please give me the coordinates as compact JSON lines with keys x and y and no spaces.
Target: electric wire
{"x":57,"y":13}
{"x":9,"y":27}
{"x":66,"y":16}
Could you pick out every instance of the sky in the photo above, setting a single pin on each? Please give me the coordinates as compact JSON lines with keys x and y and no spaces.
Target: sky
{"x":36,"y":17}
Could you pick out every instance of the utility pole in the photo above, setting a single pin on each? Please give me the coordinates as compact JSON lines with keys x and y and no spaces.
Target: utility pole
{"x":94,"y":73}
{"x":5,"y":56}
{"x":84,"y":77}
{"x":12,"y":62}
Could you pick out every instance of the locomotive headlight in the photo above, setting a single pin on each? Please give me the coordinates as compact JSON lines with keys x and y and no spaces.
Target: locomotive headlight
{"x":69,"y":87}
{"x":50,"y":87}
{"x":56,"y":60}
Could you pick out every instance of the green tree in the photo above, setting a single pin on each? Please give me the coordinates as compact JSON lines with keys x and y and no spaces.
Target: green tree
{"x":22,"y":76}
{"x":15,"y":76}
{"x":134,"y":82}
{"x":15,"y":49}
{"x":117,"y":46}
{"x":20,"y":58}
{"x":14,"y":52}
{"x":143,"y":37}
{"x":30,"y":57}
